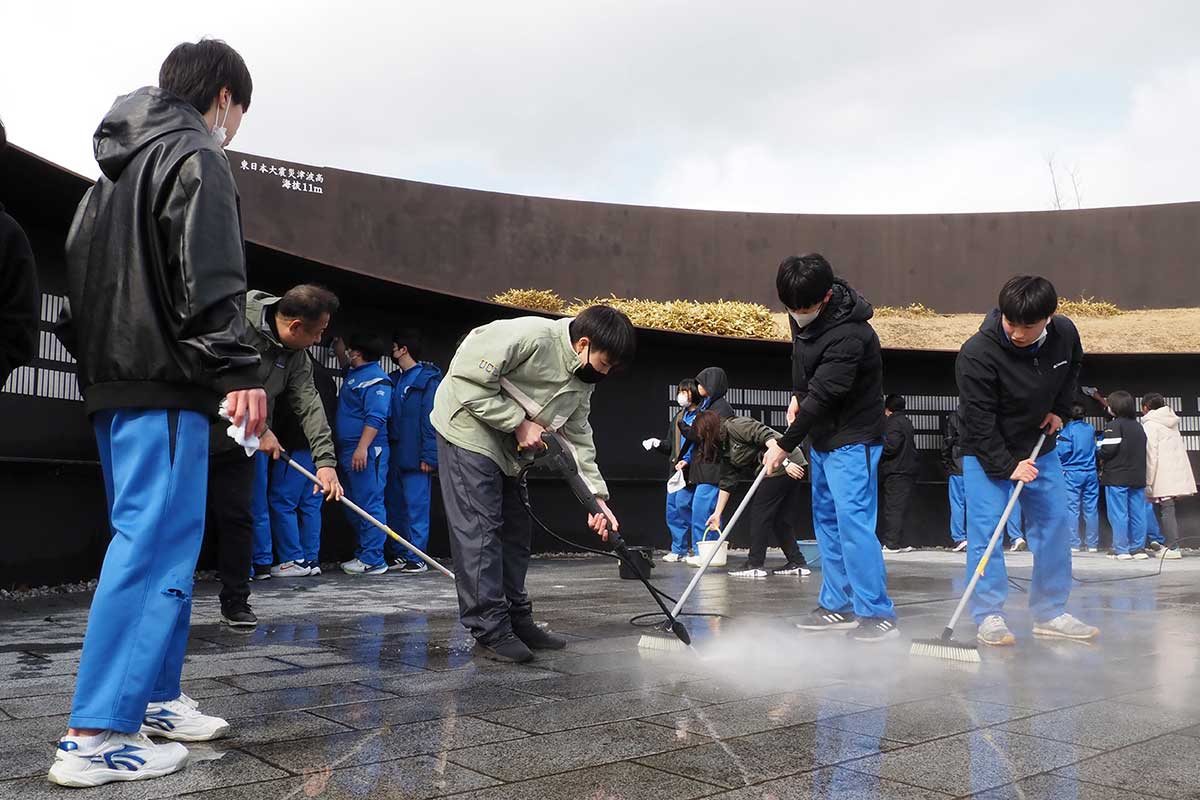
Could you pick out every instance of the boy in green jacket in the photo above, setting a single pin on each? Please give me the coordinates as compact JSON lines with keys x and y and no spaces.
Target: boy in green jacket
{"x":485,"y":439}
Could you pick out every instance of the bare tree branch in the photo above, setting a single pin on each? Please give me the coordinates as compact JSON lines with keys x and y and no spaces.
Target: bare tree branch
{"x":1054,"y":182}
{"x":1074,"y":173}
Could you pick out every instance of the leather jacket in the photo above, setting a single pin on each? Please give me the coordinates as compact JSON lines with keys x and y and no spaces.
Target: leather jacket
{"x":156,"y":271}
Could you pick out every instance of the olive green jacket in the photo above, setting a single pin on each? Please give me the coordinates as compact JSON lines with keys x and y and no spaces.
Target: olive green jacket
{"x":745,"y":442}
{"x":282,"y":371}
{"x":471,"y":410}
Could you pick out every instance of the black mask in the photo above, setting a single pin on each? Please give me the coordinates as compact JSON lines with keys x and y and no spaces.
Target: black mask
{"x":587,"y":373}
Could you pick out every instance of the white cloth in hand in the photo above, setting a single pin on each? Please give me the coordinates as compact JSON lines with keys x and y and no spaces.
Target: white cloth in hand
{"x":249,"y":442}
{"x":650,"y":444}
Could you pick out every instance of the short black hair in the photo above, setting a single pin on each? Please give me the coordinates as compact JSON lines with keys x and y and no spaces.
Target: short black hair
{"x":370,"y":345}
{"x":1153,"y":400}
{"x":3,"y":137}
{"x":895,"y":402}
{"x":410,"y":338}
{"x":1120,"y":403}
{"x":609,"y":331}
{"x":198,"y":72}
{"x":803,"y":281}
{"x":308,"y":302}
{"x":690,"y":386}
{"x":1027,"y":299}
{"x":1077,"y":411}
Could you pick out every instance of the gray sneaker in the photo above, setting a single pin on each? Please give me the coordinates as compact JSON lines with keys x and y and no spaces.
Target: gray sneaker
{"x":1064,"y":626}
{"x":994,"y":631}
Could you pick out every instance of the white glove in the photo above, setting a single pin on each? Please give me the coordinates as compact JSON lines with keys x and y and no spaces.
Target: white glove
{"x":650,"y":444}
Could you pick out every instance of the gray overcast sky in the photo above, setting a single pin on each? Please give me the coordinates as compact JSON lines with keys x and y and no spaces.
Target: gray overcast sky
{"x":788,"y":106}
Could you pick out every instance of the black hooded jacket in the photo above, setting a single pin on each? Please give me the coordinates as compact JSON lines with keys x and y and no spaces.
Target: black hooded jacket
{"x":20,"y":300}
{"x":1006,"y":391}
{"x":837,"y":375}
{"x":899,"y":446}
{"x":156,"y":270}
{"x":952,"y":454}
{"x":716,"y":383}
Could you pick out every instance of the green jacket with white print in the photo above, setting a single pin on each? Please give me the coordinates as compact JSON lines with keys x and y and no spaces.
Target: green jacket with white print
{"x":471,"y":411}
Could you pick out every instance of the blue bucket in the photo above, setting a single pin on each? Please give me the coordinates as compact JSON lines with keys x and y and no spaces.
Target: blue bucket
{"x":812,"y":553}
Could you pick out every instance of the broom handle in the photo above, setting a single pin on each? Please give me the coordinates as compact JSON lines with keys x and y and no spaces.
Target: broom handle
{"x":683,"y":598}
{"x":348,"y":503}
{"x":996,"y":535}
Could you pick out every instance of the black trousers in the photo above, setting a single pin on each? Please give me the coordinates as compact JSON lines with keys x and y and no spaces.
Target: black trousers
{"x":230,"y":495}
{"x":769,"y":518}
{"x":490,"y":538}
{"x":897,"y":490}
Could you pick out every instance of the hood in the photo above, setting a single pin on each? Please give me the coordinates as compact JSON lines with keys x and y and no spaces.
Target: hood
{"x":428,"y":372}
{"x":257,"y":304}
{"x":714,"y":381}
{"x":846,"y":305}
{"x":1164,"y":416}
{"x":136,"y":121}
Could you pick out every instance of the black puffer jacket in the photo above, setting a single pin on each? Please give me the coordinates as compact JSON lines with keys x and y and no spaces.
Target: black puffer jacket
{"x":837,"y":375}
{"x":19,"y":298}
{"x":156,"y":271}
{"x":900,"y":455}
{"x":1006,"y":391}
{"x":716,"y":383}
{"x":1123,"y":453}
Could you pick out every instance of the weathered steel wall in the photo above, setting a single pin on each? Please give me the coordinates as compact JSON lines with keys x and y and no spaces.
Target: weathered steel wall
{"x":475,"y":244}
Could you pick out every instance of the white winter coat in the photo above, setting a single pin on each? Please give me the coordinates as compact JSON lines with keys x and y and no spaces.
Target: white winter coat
{"x":1168,"y":471}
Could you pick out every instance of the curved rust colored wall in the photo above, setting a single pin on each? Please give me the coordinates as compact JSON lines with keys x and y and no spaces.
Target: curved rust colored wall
{"x":475,"y":244}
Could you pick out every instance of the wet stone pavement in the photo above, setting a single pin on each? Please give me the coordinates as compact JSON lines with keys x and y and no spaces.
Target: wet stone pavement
{"x":366,"y":688}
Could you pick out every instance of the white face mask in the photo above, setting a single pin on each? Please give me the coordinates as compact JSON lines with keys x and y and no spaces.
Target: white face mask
{"x":218,"y":132}
{"x":683,"y":399}
{"x":1042,"y":338}
{"x":804,"y":320}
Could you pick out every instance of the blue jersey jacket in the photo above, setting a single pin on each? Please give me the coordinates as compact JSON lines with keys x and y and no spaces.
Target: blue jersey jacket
{"x":413,"y":439}
{"x":1077,"y":446}
{"x":365,"y":399}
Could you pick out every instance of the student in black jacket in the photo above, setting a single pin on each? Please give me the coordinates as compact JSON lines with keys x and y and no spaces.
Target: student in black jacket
{"x":897,"y":472}
{"x":1017,"y":375}
{"x":19,"y":295}
{"x":837,"y":377}
{"x":1123,"y":476}
{"x":714,"y":385}
{"x":952,"y":462}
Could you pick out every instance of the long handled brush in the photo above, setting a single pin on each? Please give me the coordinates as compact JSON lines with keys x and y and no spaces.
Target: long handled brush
{"x":662,"y":639}
{"x":945,"y":646}
{"x":348,"y":503}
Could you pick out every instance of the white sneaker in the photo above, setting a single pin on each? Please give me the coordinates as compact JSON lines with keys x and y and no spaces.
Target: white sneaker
{"x":693,"y":561}
{"x":961,"y":547}
{"x":356,"y":567}
{"x":1076,"y":549}
{"x":1064,"y":626}
{"x":1093,"y":549}
{"x":1017,"y":546}
{"x":671,"y":558}
{"x":291,"y":569}
{"x":887,"y":549}
{"x":1140,"y":555}
{"x":994,"y":631}
{"x":187,"y":701}
{"x":749,"y":572}
{"x":176,"y":719}
{"x":1172,"y":554}
{"x":83,"y":761}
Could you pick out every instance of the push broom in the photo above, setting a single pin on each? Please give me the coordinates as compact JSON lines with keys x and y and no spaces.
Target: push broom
{"x":348,"y":503}
{"x":945,"y":646}
{"x":662,"y":639}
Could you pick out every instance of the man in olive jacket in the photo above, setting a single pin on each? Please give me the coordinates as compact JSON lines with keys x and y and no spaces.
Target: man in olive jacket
{"x":486,"y":438}
{"x":280,"y":329}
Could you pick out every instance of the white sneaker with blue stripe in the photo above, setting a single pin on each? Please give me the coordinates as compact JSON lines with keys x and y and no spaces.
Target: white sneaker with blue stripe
{"x":178,"y":719}
{"x":83,"y":761}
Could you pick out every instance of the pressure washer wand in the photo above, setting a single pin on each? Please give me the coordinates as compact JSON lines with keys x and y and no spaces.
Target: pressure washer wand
{"x":348,"y":503}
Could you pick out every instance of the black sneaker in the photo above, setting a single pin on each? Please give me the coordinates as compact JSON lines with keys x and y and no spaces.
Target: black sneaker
{"x":315,"y":566}
{"x":537,"y":637}
{"x":874,"y":630}
{"x":240,"y":617}
{"x":509,"y":650}
{"x":822,"y":619}
{"x":413,"y":568}
{"x":792,"y":568}
{"x":262,"y":572}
